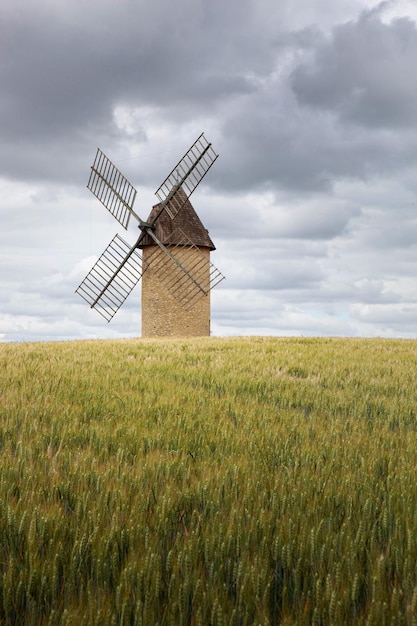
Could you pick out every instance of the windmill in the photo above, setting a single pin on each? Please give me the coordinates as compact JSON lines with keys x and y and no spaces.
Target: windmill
{"x":171,"y":253}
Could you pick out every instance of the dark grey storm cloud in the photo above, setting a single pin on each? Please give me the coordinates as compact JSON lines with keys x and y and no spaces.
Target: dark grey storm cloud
{"x":312,"y":108}
{"x":64,"y":69}
{"x":363,"y":74}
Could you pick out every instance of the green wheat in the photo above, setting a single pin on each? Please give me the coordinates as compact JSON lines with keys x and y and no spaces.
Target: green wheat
{"x":208,"y":481}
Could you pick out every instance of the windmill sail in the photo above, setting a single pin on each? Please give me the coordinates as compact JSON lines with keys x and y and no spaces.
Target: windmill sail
{"x":112,"y":189}
{"x":112,"y":278}
{"x":186,"y":175}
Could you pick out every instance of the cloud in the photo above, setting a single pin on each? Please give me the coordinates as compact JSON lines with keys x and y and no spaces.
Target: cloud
{"x":311,"y":204}
{"x":361,"y":74}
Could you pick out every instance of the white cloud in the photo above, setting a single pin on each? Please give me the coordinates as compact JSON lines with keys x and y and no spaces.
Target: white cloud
{"x":311,"y":205}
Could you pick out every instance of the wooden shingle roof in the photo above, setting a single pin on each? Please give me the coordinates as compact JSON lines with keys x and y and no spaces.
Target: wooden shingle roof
{"x":172,"y":231}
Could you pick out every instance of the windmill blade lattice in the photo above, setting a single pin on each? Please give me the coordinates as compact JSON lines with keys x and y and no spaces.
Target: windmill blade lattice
{"x":113,"y":190}
{"x":189,"y":276}
{"x":112,"y":278}
{"x":187,"y":174}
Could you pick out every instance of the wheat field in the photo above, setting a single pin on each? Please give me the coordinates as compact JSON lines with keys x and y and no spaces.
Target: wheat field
{"x":211,"y":482}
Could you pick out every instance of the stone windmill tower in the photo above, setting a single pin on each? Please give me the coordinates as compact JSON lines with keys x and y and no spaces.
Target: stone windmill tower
{"x":175,"y":267}
{"x":171,"y":304}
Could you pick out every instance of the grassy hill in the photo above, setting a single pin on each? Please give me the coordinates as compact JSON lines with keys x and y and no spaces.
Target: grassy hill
{"x":208,"y":482}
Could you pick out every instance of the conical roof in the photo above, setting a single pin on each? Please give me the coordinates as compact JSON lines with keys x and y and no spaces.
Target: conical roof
{"x":185,"y":222}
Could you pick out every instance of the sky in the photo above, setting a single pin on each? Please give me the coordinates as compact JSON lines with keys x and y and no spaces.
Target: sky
{"x":312,"y":203}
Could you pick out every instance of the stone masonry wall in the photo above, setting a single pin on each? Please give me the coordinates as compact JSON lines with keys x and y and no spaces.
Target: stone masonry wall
{"x":163,"y":316}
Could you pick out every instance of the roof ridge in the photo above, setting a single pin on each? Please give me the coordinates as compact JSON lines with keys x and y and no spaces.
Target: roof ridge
{"x":185,"y":221}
